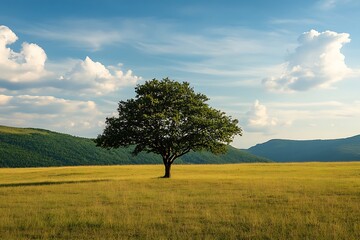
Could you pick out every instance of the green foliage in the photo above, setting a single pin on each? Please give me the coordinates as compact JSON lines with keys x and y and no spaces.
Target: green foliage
{"x":346,"y":149}
{"x":21,"y":147}
{"x":168,"y":118}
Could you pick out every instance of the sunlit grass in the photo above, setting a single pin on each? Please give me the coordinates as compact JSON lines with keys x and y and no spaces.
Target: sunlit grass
{"x":240,"y":201}
{"x":12,"y":130}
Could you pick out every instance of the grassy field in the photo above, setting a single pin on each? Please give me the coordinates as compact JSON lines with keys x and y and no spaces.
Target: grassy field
{"x":238,"y":201}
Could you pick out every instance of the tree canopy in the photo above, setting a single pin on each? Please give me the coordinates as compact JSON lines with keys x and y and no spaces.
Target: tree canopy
{"x":168,"y":118}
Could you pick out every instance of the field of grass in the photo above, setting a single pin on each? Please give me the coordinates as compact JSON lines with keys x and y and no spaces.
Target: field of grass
{"x":237,"y":201}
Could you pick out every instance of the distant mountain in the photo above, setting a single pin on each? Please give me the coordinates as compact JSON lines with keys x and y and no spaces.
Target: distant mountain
{"x":346,"y":149}
{"x":28,"y":147}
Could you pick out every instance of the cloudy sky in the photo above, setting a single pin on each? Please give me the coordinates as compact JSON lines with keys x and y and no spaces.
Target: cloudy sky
{"x":285,"y":69}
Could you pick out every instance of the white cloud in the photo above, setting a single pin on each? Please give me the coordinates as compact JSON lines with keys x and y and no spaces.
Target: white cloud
{"x":51,"y":105}
{"x":214,"y":51}
{"x":26,"y":70}
{"x":258,"y":120}
{"x":24,"y":66}
{"x":34,"y":93}
{"x":294,"y":120}
{"x":78,"y":117}
{"x":290,"y":21}
{"x":316,"y":62}
{"x":213,"y":42}
{"x":91,"y":39}
{"x":4,"y":99}
{"x":327,"y":4}
{"x":296,"y":113}
{"x":90,"y":34}
{"x":94,"y":77}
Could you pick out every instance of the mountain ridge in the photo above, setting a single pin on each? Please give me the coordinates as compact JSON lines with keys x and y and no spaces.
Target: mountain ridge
{"x":322,"y":150}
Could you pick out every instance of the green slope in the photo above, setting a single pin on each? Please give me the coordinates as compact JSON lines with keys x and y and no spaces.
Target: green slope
{"x":345,"y":149}
{"x":27,"y":147}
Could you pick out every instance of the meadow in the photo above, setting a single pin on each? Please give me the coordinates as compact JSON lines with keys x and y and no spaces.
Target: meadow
{"x":231,"y":201}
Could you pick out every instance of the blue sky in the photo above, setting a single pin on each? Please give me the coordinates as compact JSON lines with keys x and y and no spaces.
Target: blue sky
{"x":285,"y":69}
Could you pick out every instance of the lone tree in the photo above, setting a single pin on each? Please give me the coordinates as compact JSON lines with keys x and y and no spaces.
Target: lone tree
{"x":168,"y":118}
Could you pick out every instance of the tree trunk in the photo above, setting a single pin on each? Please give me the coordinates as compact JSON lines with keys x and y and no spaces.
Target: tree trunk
{"x":167,"y":170}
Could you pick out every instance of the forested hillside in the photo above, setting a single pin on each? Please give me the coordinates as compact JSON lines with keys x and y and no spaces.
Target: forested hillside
{"x":345,"y":149}
{"x":20,"y":147}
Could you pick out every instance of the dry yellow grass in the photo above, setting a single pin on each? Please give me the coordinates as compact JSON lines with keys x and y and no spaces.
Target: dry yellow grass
{"x":238,"y":201}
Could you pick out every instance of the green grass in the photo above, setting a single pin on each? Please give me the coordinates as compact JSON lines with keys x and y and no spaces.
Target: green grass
{"x":238,"y":201}
{"x":20,"y":131}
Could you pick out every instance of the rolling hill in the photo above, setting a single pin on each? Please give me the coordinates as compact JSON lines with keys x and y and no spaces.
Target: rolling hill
{"x":345,"y":149}
{"x":28,"y":147}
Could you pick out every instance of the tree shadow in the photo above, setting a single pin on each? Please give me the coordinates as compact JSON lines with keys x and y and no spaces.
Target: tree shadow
{"x":50,"y":183}
{"x":160,"y":177}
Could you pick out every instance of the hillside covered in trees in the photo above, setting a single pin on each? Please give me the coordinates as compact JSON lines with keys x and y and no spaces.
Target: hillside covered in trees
{"x":28,"y":147}
{"x":333,"y":150}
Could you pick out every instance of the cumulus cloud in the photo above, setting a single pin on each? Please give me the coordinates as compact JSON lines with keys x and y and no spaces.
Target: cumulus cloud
{"x":316,"y":62}
{"x":78,"y":117}
{"x":26,"y":70}
{"x":258,"y":120}
{"x":24,"y":66}
{"x":94,"y":77}
{"x":34,"y":93}
{"x":51,"y":105}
